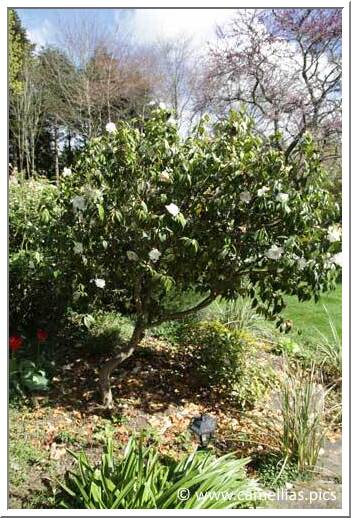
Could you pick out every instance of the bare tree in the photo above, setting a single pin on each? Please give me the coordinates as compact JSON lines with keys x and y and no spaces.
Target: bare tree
{"x":285,"y":66}
{"x":175,"y":68}
{"x":95,"y":76}
{"x":26,"y":116}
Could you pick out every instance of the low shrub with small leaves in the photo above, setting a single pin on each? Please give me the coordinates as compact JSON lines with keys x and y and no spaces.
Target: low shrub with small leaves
{"x":142,"y":480}
{"x":274,"y":472}
{"x":254,"y":382}
{"x":217,"y":351}
{"x":225,"y":360}
{"x":238,"y":314}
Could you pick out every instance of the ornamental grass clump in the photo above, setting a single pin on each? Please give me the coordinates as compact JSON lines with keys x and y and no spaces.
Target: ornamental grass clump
{"x":294,"y":432}
{"x":304,"y":418}
{"x":330,"y":351}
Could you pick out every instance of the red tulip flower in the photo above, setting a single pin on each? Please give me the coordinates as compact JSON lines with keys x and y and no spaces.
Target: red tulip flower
{"x":15,"y":342}
{"x":42,"y":335}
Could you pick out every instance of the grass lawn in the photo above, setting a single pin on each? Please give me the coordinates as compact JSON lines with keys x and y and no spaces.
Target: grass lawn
{"x":309,"y":316}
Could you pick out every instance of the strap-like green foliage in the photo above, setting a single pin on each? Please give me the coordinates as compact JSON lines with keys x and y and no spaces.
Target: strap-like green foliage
{"x":141,"y":480}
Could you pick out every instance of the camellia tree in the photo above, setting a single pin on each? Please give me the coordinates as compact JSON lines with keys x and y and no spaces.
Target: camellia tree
{"x":146,"y":212}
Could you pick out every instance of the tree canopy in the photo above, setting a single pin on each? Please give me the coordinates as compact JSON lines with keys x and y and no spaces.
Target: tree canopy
{"x":222,"y":212}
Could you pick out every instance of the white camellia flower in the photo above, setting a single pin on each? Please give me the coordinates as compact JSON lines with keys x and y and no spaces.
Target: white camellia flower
{"x":152,"y":103}
{"x":282,"y":197}
{"x":245,"y":197}
{"x":93,"y":194}
{"x":111,"y":127}
{"x":301,"y":263}
{"x":78,"y":203}
{"x":154,"y":255}
{"x":132,"y":256}
{"x":100,"y":283}
{"x":262,"y":191}
{"x":337,"y":259}
{"x":66,"y":171}
{"x":78,"y":248}
{"x":275,"y":252}
{"x":329,"y":263}
{"x":162,"y":106}
{"x":334,"y":233}
{"x":173,"y":209}
{"x":165,"y":177}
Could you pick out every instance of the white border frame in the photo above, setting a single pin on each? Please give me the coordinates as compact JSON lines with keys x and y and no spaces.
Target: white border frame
{"x":158,"y":4}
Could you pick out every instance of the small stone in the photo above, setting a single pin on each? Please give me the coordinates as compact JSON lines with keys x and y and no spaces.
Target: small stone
{"x":234,"y":423}
{"x":56,"y":452}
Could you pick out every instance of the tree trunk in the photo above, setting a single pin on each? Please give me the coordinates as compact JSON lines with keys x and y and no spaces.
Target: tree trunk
{"x":33,"y":155}
{"x":69,"y":154}
{"x":57,"y":171}
{"x":28,"y":169}
{"x":123,"y":354}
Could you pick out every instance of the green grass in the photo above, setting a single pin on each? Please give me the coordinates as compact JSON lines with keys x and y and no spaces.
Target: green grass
{"x":307,"y":316}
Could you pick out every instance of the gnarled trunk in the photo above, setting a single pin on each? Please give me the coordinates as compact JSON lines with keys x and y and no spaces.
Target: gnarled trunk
{"x":110,"y":366}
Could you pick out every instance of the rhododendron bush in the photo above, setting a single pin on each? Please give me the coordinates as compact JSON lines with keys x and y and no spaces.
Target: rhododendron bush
{"x":145,"y":212}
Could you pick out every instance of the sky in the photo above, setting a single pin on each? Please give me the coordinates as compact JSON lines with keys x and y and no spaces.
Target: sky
{"x":145,"y":25}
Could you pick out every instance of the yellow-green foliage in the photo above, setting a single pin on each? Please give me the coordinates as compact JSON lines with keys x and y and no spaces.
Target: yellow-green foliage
{"x":18,"y":47}
{"x":228,"y":361}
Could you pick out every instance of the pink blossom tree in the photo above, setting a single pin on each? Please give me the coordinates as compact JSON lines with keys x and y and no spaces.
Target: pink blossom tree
{"x":285,"y":66}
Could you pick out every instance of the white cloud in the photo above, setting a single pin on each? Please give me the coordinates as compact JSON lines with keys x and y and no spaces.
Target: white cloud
{"x":149,"y":25}
{"x":42,"y":34}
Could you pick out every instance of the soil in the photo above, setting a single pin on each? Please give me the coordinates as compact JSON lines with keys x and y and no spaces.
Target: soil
{"x":157,"y":393}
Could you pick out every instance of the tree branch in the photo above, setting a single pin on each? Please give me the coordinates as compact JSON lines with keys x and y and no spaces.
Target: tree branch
{"x":294,"y":143}
{"x":179,"y":315}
